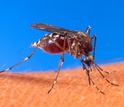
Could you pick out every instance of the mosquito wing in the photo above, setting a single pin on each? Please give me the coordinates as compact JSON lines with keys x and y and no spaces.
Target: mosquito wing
{"x":50,"y":28}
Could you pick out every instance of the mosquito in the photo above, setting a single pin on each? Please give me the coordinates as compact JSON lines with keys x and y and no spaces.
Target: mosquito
{"x":75,"y":43}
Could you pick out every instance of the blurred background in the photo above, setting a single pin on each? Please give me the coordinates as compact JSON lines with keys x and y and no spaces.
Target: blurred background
{"x":106,"y":19}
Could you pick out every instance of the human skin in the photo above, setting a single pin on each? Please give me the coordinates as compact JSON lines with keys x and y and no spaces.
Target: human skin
{"x":71,"y":89}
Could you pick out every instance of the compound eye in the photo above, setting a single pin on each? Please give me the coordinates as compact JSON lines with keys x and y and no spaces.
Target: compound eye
{"x":88,"y":58}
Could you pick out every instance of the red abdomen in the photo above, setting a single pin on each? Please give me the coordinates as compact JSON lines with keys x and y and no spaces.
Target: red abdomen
{"x":47,"y":45}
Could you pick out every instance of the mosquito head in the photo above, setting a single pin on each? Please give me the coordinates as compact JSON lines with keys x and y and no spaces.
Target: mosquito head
{"x":88,"y":59}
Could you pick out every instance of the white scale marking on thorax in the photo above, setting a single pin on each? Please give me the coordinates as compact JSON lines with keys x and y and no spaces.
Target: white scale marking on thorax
{"x":82,"y":33}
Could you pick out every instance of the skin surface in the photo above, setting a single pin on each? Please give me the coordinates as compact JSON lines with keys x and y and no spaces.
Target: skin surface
{"x":71,"y":89}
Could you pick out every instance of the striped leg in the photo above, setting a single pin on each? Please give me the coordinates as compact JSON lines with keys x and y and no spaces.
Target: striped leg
{"x":98,"y":68}
{"x":105,"y":71}
{"x":94,"y":36}
{"x":59,"y":66}
{"x":58,"y":70}
{"x":88,"y":31}
{"x":21,"y":61}
{"x":87,"y":72}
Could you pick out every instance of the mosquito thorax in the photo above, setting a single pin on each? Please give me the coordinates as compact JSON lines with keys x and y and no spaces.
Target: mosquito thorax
{"x":81,"y":33}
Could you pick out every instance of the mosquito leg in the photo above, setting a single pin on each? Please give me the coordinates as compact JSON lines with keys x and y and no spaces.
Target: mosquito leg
{"x":90,"y":78}
{"x":76,"y":53}
{"x":88,"y":31}
{"x":59,"y":66}
{"x":86,"y":70}
{"x":69,"y":45}
{"x":94,"y":36}
{"x":21,"y":61}
{"x":105,"y":71}
{"x":96,"y":87}
{"x":105,"y":77}
{"x":59,"y":63}
{"x":58,"y":70}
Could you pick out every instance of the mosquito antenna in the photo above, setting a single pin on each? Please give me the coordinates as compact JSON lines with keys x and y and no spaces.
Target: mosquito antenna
{"x":21,"y":61}
{"x":109,"y":60}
